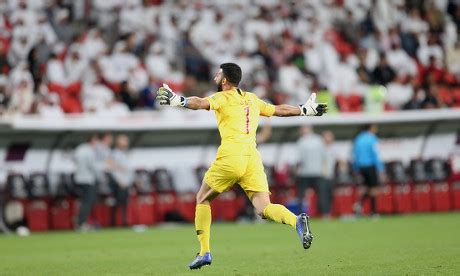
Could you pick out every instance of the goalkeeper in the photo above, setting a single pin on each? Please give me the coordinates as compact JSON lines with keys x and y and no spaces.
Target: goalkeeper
{"x":238,"y":160}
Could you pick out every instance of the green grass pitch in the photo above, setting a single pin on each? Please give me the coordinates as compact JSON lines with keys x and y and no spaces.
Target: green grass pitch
{"x":398,"y":245}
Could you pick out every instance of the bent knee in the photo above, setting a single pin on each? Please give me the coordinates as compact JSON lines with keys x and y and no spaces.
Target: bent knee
{"x":200,"y":199}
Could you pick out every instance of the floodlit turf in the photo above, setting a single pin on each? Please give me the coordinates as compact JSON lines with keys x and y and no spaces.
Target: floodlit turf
{"x":399,"y":245}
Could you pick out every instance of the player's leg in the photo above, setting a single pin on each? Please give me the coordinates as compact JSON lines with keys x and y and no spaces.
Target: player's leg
{"x":220,"y":177}
{"x":268,"y":210}
{"x":203,"y":225}
{"x":373,"y":191}
{"x":254,"y":183}
{"x":203,"y":216}
{"x":358,"y":206}
{"x":280,"y":214}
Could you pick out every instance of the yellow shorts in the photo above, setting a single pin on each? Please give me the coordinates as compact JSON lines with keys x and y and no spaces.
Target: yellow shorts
{"x":246,"y":170}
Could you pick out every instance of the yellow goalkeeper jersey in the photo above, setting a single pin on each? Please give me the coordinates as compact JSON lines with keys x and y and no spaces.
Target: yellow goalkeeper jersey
{"x":237,"y":115}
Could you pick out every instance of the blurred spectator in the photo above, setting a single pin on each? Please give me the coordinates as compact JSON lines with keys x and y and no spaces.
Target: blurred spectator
{"x":64,"y":30}
{"x":325,"y":189}
{"x":367,"y":162}
{"x":157,"y":64}
{"x":131,"y":17}
{"x":21,"y":45}
{"x":3,"y":227}
{"x":293,"y":83}
{"x":45,"y":33}
{"x":415,"y":101}
{"x":363,"y":72}
{"x":128,"y":95}
{"x":146,"y":96}
{"x":21,"y":88}
{"x":122,"y":177}
{"x":310,"y":167}
{"x":343,"y":78}
{"x":414,"y":23}
{"x":75,"y":65}
{"x":67,"y":88}
{"x":4,"y":96}
{"x":401,"y":61}
{"x":102,"y":160}
{"x":431,"y":49}
{"x":85,"y":178}
{"x":93,"y":45}
{"x":383,"y":73}
{"x":96,"y":96}
{"x":431,"y":98}
{"x":55,"y":72}
{"x":48,"y":106}
{"x":34,"y":66}
{"x":453,"y":60}
{"x":400,"y":91}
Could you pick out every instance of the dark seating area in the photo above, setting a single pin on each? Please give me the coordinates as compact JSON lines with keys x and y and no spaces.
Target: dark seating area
{"x":422,"y":186}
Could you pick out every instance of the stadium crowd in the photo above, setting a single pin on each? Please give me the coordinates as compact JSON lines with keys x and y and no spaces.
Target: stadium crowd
{"x":106,"y":56}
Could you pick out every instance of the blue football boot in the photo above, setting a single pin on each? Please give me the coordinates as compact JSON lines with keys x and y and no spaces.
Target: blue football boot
{"x":303,"y":229}
{"x":201,"y":261}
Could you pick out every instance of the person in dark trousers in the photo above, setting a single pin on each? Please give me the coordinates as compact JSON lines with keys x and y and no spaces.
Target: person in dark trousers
{"x":85,"y":179}
{"x":325,"y":190}
{"x":367,"y":162}
{"x":3,"y":228}
{"x":122,"y":177}
{"x":311,"y":150}
{"x":103,"y":153}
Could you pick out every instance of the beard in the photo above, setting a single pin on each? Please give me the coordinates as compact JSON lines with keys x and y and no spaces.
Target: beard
{"x":219,"y":86}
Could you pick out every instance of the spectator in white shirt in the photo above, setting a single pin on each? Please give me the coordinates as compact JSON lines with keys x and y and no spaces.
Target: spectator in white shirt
{"x":96,"y":96}
{"x":20,"y":87}
{"x":425,"y":51}
{"x":157,"y":64}
{"x":93,"y":45}
{"x":344,"y":78}
{"x":293,"y":82}
{"x":74,"y":65}
{"x":55,"y":71}
{"x":401,"y":61}
{"x":49,"y":107}
{"x":21,"y":45}
{"x":132,"y":17}
{"x":399,"y":92}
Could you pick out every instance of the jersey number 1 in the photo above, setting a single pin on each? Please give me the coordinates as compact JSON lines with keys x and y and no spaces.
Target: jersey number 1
{"x":247,"y":119}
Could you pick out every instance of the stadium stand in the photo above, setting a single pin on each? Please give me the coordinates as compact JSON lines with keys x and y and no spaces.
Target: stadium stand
{"x":105,"y":57}
{"x":68,"y":68}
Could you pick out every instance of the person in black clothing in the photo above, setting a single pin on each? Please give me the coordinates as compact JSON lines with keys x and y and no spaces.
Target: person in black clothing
{"x":364,"y":74}
{"x":383,"y":73}
{"x":431,"y":99}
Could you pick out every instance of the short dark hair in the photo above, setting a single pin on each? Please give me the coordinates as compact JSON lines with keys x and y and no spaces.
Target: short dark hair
{"x":232,"y":72}
{"x":368,"y":127}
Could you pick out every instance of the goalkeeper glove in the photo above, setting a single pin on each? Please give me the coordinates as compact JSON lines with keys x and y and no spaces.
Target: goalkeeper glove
{"x":311,"y":108}
{"x":167,"y":97}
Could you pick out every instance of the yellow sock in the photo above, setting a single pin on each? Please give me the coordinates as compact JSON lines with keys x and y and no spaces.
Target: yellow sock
{"x":280,"y":214}
{"x":203,"y":226}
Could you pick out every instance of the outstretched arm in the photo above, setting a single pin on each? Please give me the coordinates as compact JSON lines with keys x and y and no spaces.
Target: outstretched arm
{"x":285,"y":110}
{"x":167,"y":97}
{"x":196,"y":103}
{"x":310,"y":108}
